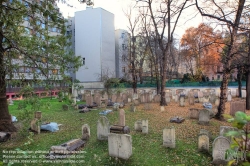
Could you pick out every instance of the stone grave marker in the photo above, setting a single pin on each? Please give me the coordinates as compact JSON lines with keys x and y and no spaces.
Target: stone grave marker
{"x":191,"y":98}
{"x":122,"y":117}
{"x":38,"y":115}
{"x":169,"y":137}
{"x":167,"y":97}
{"x":225,"y":129}
{"x":113,"y":98}
{"x":11,"y":101}
{"x":120,"y":145}
{"x":142,"y":98}
{"x":138,"y":125}
{"x":97,"y":100}
{"x":162,"y":108}
{"x":85,"y":132}
{"x":229,"y":97}
{"x":194,"y":113}
{"x":147,"y":106}
{"x":118,"y":99}
{"x":243,"y":93}
{"x":145,"y":126}
{"x":206,"y":99}
{"x":102,"y":128}
{"x":217,"y":102}
{"x":220,"y":145}
{"x":132,"y":108}
{"x":125,"y":98}
{"x":203,"y":142}
{"x":233,"y":92}
{"x":212,"y":98}
{"x":35,"y":126}
{"x":182,"y":101}
{"x":157,"y":98}
{"x":204,"y":117}
{"x":237,"y":106}
{"x":89,"y":100}
{"x":136,"y":102}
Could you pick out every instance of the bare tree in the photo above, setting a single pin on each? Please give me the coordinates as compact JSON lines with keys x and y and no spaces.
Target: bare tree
{"x":164,"y":17}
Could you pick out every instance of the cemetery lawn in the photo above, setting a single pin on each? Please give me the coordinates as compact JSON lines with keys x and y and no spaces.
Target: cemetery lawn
{"x":147,"y":149}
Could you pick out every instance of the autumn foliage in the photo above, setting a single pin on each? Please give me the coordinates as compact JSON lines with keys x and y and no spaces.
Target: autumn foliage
{"x":201,"y":47}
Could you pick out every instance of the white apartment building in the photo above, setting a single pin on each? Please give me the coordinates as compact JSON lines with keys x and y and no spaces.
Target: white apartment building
{"x":95,"y":42}
{"x":122,"y":40}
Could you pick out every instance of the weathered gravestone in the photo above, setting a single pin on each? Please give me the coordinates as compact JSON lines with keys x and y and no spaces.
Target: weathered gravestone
{"x":122,"y":117}
{"x":35,"y":126}
{"x":120,"y":145}
{"x":85,"y":132}
{"x":97,"y":99}
{"x":138,"y":125}
{"x":145,"y":126}
{"x":203,"y":142}
{"x":233,"y":92}
{"x":113,"y":98}
{"x":191,"y":98}
{"x":169,"y":137}
{"x":102,"y":128}
{"x":220,"y":145}
{"x":67,"y":147}
{"x":229,"y":97}
{"x":226,"y":129}
{"x":212,"y":98}
{"x":89,"y":100}
{"x":162,"y":108}
{"x":194,"y":113}
{"x":167,"y":97}
{"x":157,"y":98}
{"x":11,"y":101}
{"x":147,"y":106}
{"x":132,"y":108}
{"x":237,"y":106}
{"x":204,"y":117}
{"x":243,"y":93}
{"x":182,"y":101}
{"x":217,"y":102}
{"x":136,"y":102}
{"x":38,"y":115}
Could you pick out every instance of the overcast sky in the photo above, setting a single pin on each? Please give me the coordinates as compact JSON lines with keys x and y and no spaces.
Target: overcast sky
{"x":117,"y":6}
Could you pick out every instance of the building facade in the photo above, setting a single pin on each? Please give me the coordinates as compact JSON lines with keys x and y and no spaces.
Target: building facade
{"x":95,"y":43}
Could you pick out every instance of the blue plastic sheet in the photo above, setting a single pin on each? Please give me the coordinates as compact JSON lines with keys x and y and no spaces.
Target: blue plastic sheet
{"x":207,"y":105}
{"x":52,"y":126}
{"x":105,"y":112}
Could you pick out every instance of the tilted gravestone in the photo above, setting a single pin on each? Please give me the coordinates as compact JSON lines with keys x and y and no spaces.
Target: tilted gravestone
{"x":120,"y":145}
{"x":220,"y":145}
{"x":203,"y":142}
{"x":169,"y":137}
{"x":237,"y":106}
{"x":226,"y":129}
{"x":85,"y":132}
{"x":103,"y":128}
{"x":204,"y":117}
{"x":191,"y":98}
{"x":35,"y":125}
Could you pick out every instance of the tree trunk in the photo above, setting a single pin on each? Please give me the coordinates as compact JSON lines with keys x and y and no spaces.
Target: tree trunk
{"x":223,"y":95}
{"x":248,"y":90}
{"x":6,"y":124}
{"x":239,"y":75}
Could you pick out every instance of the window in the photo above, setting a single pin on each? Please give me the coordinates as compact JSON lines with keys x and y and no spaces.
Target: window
{"x":123,"y":58}
{"x":26,"y":4}
{"x":26,"y":18}
{"x":38,"y":34}
{"x":218,"y":77}
{"x":28,"y":70}
{"x":123,"y":69}
{"x":21,"y":69}
{"x":122,"y":36}
{"x":123,"y":46}
{"x":83,"y":61}
{"x":212,"y":78}
{"x":38,"y":22}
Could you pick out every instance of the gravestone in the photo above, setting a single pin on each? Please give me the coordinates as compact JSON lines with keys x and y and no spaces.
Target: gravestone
{"x":118,"y":99}
{"x":125,"y":98}
{"x":38,"y":115}
{"x":205,"y":99}
{"x":120,"y":145}
{"x":102,"y":128}
{"x":132,"y":108}
{"x":203,"y":131}
{"x":85,"y":132}
{"x":35,"y":125}
{"x":89,"y":100}
{"x":191,"y":98}
{"x":182,"y":101}
{"x":122,"y":117}
{"x":194,"y":113}
{"x":157,"y":98}
{"x":233,"y":92}
{"x":237,"y":106}
{"x":116,"y":106}
{"x":203,"y":142}
{"x":204,"y":117}
{"x":212,"y":98}
{"x":243,"y":94}
{"x":169,"y":137}
{"x":229,"y":97}
{"x":113,"y":98}
{"x":11,"y":101}
{"x":147,"y":106}
{"x":138,"y":125}
{"x":136,"y":102}
{"x":167,"y":97}
{"x":217,"y":102}
{"x":145,"y":126}
{"x":220,"y":145}
{"x":225,"y":129}
{"x":162,"y":108}
{"x":97,"y":100}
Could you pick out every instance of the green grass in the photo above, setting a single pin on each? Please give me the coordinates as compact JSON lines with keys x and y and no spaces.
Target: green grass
{"x":147,"y":149}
